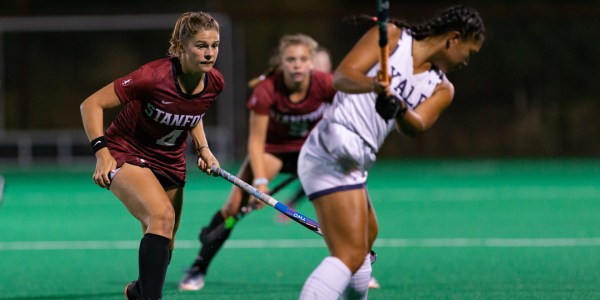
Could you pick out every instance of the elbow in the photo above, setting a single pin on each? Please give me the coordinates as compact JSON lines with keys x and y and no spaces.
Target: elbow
{"x":410,"y":133}
{"x":410,"y":129}
{"x":82,"y":106}
{"x":337,"y":81}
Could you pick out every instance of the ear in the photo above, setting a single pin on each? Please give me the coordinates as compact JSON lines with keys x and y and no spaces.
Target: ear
{"x":452,"y":38}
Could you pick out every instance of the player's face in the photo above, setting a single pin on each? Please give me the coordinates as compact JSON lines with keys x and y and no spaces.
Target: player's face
{"x":458,"y":54}
{"x":296,"y":62}
{"x":200,"y":51}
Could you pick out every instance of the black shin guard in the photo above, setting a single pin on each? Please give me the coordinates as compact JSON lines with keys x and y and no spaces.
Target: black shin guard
{"x":212,"y":238}
{"x":210,"y":233}
{"x":153,"y":262}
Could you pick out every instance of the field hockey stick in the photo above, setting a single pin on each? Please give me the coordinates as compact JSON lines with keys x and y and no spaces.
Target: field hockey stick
{"x":284,"y":209}
{"x":1,"y":189}
{"x":216,"y":233}
{"x":250,"y":207}
{"x":383,"y":10}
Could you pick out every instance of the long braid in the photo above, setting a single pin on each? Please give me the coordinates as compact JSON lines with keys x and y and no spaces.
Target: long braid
{"x":461,"y":18}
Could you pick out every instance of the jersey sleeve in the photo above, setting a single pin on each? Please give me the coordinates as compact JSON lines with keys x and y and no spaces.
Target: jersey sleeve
{"x":217,"y":80}
{"x":262,"y":98}
{"x":325,"y":82}
{"x":135,"y":85}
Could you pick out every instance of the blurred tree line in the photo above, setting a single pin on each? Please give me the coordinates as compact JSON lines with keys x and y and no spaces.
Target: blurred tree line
{"x":531,"y":91}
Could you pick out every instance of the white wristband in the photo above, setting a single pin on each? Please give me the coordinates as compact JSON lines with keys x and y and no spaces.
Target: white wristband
{"x":260,"y":181}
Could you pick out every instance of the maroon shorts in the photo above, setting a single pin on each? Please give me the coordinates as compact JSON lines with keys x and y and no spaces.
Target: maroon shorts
{"x":289,"y":160}
{"x":168,"y":177}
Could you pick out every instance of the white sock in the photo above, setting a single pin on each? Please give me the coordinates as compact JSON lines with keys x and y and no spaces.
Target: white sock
{"x":327,"y":281}
{"x":358,"y":287}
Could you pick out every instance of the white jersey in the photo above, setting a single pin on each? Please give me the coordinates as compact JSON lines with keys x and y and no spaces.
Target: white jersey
{"x":357,"y":111}
{"x":343,"y":145}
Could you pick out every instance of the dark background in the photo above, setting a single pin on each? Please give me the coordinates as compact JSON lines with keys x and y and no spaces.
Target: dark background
{"x":533,"y":90}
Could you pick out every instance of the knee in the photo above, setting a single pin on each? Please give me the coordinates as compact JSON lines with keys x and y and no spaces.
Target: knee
{"x":163,"y":219}
{"x":354,"y":259}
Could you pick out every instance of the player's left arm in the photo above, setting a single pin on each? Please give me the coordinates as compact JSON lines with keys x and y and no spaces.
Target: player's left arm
{"x":414,"y":122}
{"x":205,"y":157}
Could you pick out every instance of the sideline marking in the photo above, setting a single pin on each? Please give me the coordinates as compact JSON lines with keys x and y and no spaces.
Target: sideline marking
{"x":315,"y":243}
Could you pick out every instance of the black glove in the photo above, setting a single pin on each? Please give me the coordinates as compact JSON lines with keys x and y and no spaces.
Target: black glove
{"x":389,"y":106}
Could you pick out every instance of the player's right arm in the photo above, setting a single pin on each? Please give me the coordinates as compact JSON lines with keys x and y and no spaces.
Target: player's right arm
{"x":92,"y":115}
{"x":257,"y":138}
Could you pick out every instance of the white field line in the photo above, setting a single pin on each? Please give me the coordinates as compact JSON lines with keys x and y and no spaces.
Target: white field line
{"x":315,"y":243}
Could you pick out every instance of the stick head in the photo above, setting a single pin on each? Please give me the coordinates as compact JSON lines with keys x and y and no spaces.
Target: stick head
{"x":383,"y":18}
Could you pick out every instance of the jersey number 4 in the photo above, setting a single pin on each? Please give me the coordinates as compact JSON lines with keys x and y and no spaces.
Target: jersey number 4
{"x":170,"y":139}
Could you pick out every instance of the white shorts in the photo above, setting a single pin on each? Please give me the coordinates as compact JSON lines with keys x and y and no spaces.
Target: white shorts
{"x":333,"y":159}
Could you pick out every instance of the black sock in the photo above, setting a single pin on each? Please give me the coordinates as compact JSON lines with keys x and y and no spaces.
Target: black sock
{"x":216,"y":220}
{"x":153,"y":262}
{"x":212,"y":238}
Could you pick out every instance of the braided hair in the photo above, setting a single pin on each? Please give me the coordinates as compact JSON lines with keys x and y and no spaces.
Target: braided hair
{"x":461,"y":18}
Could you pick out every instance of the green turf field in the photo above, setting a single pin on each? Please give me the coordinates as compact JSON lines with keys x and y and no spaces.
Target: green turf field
{"x":449,"y":229}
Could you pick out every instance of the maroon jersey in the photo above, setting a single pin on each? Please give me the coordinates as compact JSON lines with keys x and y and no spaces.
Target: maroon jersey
{"x":290,"y":123}
{"x":152,"y":128}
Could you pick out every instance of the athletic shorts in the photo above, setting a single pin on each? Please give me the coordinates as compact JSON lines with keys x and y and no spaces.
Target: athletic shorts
{"x":289,"y":160}
{"x":167,"y":177}
{"x":333,"y":159}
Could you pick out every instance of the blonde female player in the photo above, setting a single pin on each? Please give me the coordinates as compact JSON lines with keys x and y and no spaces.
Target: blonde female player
{"x":141,"y":156}
{"x":333,"y":162}
{"x":284,"y":107}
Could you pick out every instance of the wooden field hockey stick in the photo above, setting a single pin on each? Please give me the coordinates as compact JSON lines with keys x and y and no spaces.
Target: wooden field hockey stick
{"x":284,"y":209}
{"x":383,"y":17}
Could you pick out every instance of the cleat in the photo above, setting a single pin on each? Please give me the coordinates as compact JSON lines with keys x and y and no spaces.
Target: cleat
{"x":373,"y":283}
{"x":193,"y":281}
{"x":132,"y":292}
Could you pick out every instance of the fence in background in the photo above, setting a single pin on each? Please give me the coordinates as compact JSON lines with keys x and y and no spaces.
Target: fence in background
{"x":70,"y":146}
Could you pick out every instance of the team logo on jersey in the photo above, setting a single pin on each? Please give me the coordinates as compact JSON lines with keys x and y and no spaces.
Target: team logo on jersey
{"x":169,"y":119}
{"x":126,"y":82}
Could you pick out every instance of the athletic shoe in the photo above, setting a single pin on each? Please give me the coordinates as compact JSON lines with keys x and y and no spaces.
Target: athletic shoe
{"x":132,"y":292}
{"x":373,"y":283}
{"x":193,"y":281}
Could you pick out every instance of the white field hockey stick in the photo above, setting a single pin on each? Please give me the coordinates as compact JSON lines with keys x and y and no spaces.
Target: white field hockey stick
{"x":1,"y":189}
{"x":284,"y":209}
{"x":217,"y":232}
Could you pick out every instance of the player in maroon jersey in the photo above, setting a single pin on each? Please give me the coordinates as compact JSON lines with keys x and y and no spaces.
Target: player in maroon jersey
{"x":141,"y":156}
{"x":284,"y":107}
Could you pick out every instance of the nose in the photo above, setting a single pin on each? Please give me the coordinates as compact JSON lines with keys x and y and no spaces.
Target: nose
{"x":209,"y":53}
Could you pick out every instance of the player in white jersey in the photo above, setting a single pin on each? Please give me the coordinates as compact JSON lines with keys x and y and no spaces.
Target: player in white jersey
{"x":333,"y":162}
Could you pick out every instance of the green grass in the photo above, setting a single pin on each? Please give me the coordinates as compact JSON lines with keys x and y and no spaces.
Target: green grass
{"x":449,"y":229}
